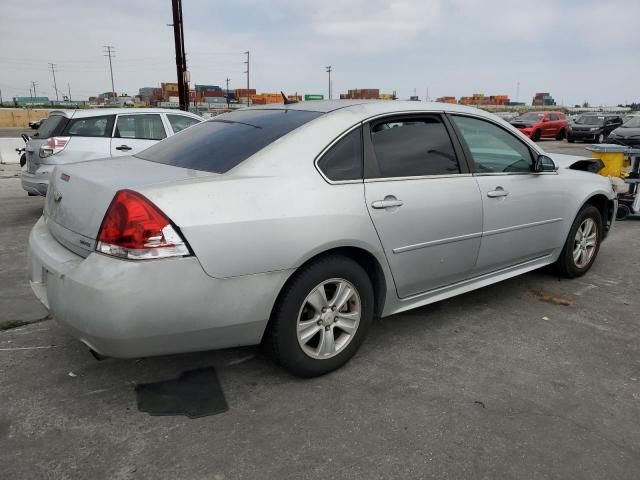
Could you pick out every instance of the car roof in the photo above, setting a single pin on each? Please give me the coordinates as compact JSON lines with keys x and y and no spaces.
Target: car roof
{"x":369,"y":108}
{"x":92,"y":112}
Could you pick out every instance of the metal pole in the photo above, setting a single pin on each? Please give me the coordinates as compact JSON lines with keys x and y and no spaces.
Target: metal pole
{"x":226,"y":94}
{"x":34,"y":88}
{"x":55,"y":86}
{"x":69,"y":90}
{"x":247,"y":72}
{"x":109,"y":54}
{"x":181,"y":62}
{"x":328,"y":70}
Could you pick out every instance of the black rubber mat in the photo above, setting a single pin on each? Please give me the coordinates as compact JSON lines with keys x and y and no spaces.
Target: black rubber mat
{"x":196,"y":393}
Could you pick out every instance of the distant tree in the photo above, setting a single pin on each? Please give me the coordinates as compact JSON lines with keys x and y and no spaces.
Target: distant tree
{"x":585,"y":104}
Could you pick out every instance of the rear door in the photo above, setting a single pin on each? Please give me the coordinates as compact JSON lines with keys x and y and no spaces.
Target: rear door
{"x":134,"y":132}
{"x":523,"y":211}
{"x":551,"y":125}
{"x":424,"y":203}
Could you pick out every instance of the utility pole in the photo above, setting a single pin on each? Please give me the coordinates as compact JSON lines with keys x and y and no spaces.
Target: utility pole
{"x":1,"y":102}
{"x":328,"y":70}
{"x":69,"y":91}
{"x":33,"y":84}
{"x":109,"y":50}
{"x":518,"y":91}
{"x":247,"y":72}
{"x":52,"y":66}
{"x":226,"y":93}
{"x":181,"y":60}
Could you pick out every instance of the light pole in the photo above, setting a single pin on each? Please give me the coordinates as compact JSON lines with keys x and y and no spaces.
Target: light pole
{"x":328,"y":70}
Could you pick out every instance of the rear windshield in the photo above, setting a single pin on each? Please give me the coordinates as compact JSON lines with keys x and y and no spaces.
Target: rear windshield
{"x":590,"y":120}
{"x":219,"y":145}
{"x":52,"y":126}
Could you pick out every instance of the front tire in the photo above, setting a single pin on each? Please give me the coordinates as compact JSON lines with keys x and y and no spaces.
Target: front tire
{"x":321,"y":317}
{"x":582,"y":244}
{"x":570,"y":140}
{"x":623,"y":212}
{"x":600,"y":138}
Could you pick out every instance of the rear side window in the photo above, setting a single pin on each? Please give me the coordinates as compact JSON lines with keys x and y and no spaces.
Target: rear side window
{"x":141,"y":127}
{"x":52,"y":126}
{"x":553,"y":117}
{"x":413,"y":147}
{"x":219,"y":145}
{"x":90,"y":127}
{"x":180,"y":122}
{"x":343,"y":161}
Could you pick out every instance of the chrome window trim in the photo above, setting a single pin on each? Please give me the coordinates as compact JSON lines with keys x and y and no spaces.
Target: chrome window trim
{"x":327,"y":148}
{"x":499,"y":174}
{"x":417,"y":177}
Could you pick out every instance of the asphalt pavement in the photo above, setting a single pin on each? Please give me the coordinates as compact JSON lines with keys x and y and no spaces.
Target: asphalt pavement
{"x":534,"y":377}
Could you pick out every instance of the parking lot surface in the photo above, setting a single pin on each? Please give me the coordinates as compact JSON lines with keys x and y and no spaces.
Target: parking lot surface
{"x":535,"y":377}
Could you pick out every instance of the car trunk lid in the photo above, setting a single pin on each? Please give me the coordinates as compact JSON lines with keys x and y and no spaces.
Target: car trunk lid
{"x":80,"y":194}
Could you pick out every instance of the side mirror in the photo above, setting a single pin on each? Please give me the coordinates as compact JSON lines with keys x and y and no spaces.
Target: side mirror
{"x":544,"y":164}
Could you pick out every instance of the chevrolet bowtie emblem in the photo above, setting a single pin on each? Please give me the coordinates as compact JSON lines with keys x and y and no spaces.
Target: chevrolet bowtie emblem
{"x":57,"y":196}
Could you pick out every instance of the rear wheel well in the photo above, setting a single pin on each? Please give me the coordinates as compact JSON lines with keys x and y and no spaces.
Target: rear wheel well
{"x":605,"y":207}
{"x":367,"y":261}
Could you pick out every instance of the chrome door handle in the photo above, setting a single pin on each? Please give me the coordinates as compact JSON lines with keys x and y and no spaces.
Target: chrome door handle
{"x":498,"y":192}
{"x":387,"y":203}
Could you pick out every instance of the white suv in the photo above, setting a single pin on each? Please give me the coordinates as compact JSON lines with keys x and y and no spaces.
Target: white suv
{"x":71,"y":136}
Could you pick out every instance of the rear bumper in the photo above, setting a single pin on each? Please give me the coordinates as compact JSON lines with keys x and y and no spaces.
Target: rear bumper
{"x":36,"y":183}
{"x":131,"y":309}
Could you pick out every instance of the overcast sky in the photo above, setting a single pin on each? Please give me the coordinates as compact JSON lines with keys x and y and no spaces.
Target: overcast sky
{"x":577,"y":50}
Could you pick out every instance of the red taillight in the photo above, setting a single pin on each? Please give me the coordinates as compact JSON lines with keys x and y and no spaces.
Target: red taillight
{"x":54,"y":145}
{"x":136,"y":229}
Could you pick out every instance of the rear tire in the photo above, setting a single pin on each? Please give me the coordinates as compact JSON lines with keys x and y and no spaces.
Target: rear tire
{"x":313,"y":332}
{"x":536,"y":136}
{"x":582,"y":244}
{"x":560,"y":135}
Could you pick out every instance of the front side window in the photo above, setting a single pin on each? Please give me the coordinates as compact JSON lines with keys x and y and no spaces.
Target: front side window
{"x":413,"y":147}
{"x":343,"y":161}
{"x":492,"y":148}
{"x":180,"y":122}
{"x":142,"y":127}
{"x":220,"y":144}
{"x":89,"y":127}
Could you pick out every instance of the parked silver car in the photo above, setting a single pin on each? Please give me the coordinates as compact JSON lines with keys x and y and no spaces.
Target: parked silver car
{"x":296,"y":225}
{"x":71,"y":136}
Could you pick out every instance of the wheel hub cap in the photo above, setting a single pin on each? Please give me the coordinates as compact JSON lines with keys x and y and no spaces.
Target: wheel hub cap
{"x":329,"y":318}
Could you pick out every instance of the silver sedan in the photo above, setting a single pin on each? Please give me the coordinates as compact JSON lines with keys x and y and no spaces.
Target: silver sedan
{"x":296,"y":225}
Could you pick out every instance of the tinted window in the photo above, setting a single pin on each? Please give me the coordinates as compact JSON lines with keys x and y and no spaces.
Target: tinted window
{"x":492,"y":148}
{"x":413,"y":147}
{"x":142,"y":127}
{"x":52,"y":126}
{"x":219,"y":145}
{"x":180,"y":122}
{"x":343,"y":161}
{"x":553,"y":116}
{"x":89,"y":127}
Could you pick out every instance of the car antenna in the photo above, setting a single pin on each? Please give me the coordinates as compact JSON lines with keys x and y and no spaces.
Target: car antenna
{"x":286,"y":100}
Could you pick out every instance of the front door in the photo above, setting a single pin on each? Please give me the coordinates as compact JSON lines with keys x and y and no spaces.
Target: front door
{"x":523,"y":210}
{"x":136,"y":132}
{"x":425,"y":205}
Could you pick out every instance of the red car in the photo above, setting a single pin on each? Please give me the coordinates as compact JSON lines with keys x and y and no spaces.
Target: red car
{"x":536,"y":125}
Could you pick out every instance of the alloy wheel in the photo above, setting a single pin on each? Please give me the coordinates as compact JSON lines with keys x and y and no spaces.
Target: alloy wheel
{"x":585,"y":243}
{"x":328,"y":318}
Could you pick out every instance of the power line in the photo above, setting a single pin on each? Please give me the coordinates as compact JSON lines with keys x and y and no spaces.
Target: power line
{"x":52,"y":66}
{"x":109,"y":50}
